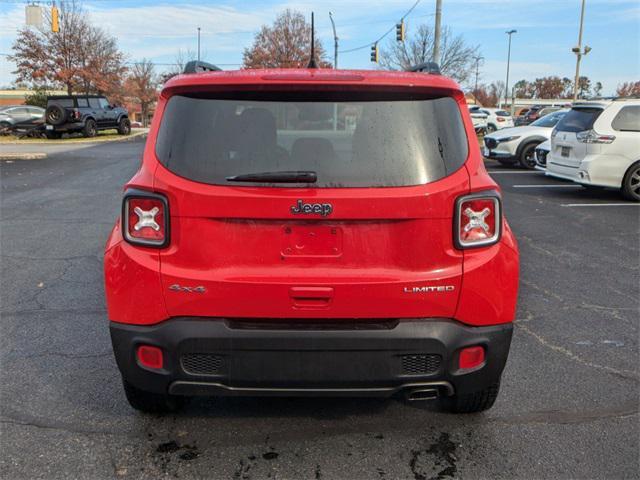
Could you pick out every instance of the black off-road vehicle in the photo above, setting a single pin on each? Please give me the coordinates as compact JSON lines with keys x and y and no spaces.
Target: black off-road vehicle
{"x":84,"y":113}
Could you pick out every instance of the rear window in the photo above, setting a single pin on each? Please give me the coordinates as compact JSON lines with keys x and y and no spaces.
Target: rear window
{"x":627,"y":119}
{"x":348,"y":144}
{"x":579,"y":119}
{"x":502,"y":113}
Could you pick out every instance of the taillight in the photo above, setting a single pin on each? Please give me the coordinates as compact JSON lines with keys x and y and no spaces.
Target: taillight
{"x":591,"y":136}
{"x":500,"y":119}
{"x":145,"y":219}
{"x":76,"y":114}
{"x":478,"y":220}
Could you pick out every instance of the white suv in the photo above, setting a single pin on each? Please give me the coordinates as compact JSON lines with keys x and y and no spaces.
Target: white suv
{"x":497,"y":118}
{"x":517,"y":145}
{"x":598,"y":144}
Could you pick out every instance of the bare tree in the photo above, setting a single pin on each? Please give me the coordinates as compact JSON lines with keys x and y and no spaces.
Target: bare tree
{"x":456,"y":56}
{"x":80,"y":57}
{"x":285,"y":44}
{"x":142,"y":86}
{"x":179,"y":62}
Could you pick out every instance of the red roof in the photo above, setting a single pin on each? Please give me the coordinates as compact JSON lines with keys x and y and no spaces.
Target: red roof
{"x":340,"y":78}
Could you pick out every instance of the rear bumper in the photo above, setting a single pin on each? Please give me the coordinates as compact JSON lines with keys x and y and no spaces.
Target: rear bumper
{"x":204,"y":356}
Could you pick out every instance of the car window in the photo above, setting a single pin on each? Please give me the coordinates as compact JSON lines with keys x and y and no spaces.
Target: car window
{"x":549,"y":120}
{"x":502,"y":113}
{"x":579,"y":119}
{"x":103,"y":102}
{"x":83,"y":102}
{"x":64,"y":102}
{"x":347,"y":143}
{"x":627,"y":119}
{"x":94,"y":103}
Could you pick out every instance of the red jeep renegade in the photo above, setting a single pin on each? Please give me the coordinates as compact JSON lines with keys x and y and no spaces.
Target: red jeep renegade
{"x":311,"y":232}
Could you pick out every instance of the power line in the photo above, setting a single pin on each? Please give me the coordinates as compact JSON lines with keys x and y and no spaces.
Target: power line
{"x":384,"y":34}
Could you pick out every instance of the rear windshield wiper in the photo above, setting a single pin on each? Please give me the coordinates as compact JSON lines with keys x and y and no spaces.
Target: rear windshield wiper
{"x":296,"y":176}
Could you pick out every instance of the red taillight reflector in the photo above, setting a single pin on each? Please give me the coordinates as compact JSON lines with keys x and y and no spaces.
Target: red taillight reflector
{"x":478,"y":220}
{"x":471,"y":357}
{"x":500,"y":119}
{"x":145,"y":220}
{"x":150,"y":357}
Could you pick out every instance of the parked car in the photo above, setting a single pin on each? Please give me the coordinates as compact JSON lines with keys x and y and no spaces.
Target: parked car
{"x":517,"y":145}
{"x":597,"y":144}
{"x":20,"y":116}
{"x":84,"y":113}
{"x":497,"y":118}
{"x":548,"y":110}
{"x":541,"y":153}
{"x":257,"y":257}
{"x":479,"y":120}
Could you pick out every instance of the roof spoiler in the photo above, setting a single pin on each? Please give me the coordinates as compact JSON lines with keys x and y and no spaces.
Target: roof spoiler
{"x":196,"y":66}
{"x":425,"y":67}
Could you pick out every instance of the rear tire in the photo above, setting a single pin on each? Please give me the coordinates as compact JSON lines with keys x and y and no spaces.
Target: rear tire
{"x":150,"y":402}
{"x":124,"y":126}
{"x":527,"y":156}
{"x":90,"y":128}
{"x":474,"y":402}
{"x":55,"y":114}
{"x":631,"y":183}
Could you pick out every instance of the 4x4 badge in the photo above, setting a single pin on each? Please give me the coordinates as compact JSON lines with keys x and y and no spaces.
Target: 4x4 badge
{"x":323,"y":209}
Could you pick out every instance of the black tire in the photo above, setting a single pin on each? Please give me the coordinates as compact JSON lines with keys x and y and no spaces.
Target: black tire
{"x":90,"y":128}
{"x":149,"y":402}
{"x":472,"y":402}
{"x":491,"y":128}
{"x":53,"y":135}
{"x":55,"y":114}
{"x":631,"y":183}
{"x":527,"y":158}
{"x":124,"y":126}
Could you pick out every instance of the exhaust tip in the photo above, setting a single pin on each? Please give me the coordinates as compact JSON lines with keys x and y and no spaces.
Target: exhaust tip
{"x":422,"y":394}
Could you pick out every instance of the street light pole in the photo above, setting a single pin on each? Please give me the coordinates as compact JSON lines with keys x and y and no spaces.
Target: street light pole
{"x":578,"y":51}
{"x":506,"y":86}
{"x":335,"y":42}
{"x":198,"y":45}
{"x":436,"y":33}
{"x":478,"y":59}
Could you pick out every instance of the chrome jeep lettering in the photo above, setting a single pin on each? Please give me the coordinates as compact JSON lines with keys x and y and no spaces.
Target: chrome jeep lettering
{"x":300,"y":207}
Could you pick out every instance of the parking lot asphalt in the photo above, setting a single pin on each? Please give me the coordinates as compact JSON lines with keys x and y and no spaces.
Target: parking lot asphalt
{"x":568,"y":406}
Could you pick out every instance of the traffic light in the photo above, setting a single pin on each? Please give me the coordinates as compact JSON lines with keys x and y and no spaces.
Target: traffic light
{"x":55,"y":23}
{"x":374,"y":53}
{"x":400,"y":31}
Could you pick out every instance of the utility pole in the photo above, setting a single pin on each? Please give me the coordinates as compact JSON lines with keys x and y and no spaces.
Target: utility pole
{"x":506,"y":86}
{"x":335,"y":42}
{"x":579,"y":53}
{"x":198,"y":45}
{"x":436,"y":33}
{"x":478,"y":59}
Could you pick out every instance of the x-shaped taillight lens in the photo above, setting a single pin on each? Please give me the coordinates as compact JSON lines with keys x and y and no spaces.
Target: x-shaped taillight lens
{"x":145,"y":220}
{"x":478,"y":220}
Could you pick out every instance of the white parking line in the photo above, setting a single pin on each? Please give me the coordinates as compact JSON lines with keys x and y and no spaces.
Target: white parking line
{"x":547,"y":186}
{"x":600,"y":205}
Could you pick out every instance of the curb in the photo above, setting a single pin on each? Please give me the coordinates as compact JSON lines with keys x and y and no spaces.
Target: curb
{"x":22,"y":156}
{"x":80,"y":142}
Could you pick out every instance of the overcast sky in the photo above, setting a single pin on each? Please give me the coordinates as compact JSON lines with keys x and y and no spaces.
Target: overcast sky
{"x":547,"y":29}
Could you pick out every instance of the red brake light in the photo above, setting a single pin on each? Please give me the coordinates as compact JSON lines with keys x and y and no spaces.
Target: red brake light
{"x":150,"y":357}
{"x":500,"y":119}
{"x":471,"y":357}
{"x":145,"y":220}
{"x":478,"y":220}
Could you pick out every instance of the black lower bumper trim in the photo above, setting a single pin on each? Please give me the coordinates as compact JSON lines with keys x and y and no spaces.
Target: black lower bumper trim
{"x":212,"y":356}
